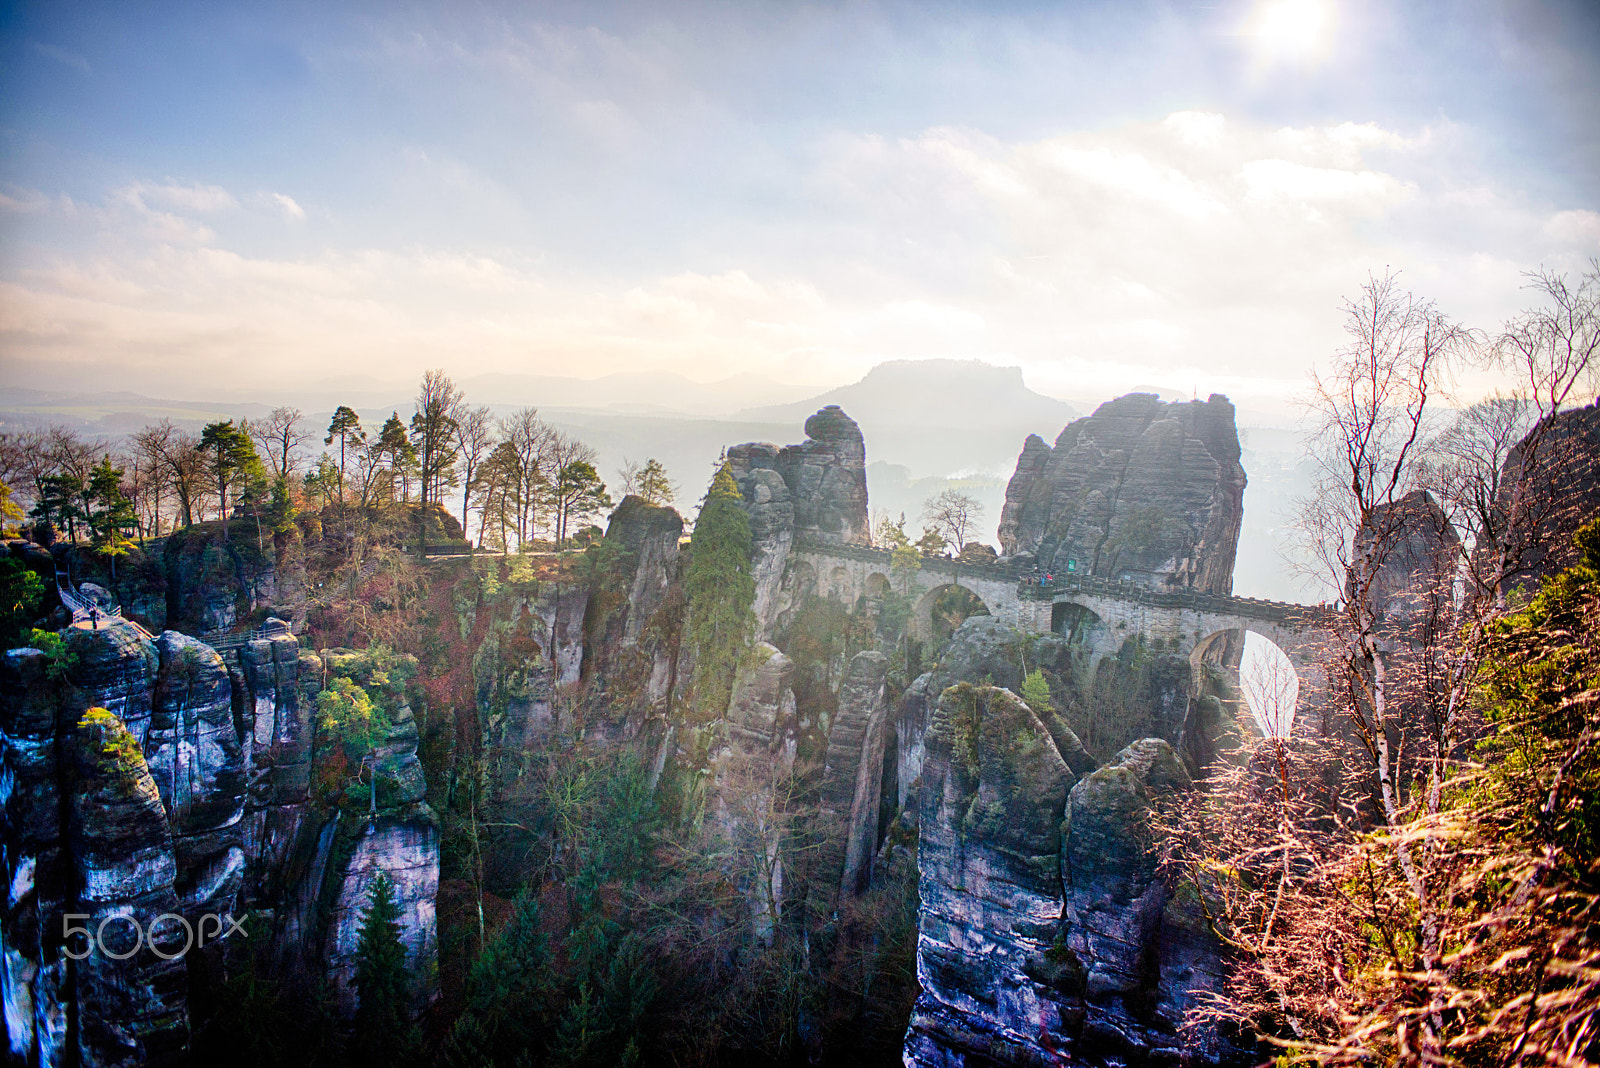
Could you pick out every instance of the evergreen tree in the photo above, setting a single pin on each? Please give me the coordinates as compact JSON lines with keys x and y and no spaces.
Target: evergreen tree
{"x":578,"y":494}
{"x":58,"y":503}
{"x":654,"y":486}
{"x":346,"y":426}
{"x":385,"y":1035}
{"x":721,"y":590}
{"x":433,"y":430}
{"x":110,"y":512}
{"x":229,"y":453}
{"x":395,"y":443}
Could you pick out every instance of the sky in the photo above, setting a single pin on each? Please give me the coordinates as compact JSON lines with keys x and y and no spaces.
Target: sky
{"x":207,"y":197}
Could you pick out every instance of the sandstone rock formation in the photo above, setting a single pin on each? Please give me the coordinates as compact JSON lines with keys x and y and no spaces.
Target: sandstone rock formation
{"x":184,"y":789}
{"x":1140,"y":489}
{"x":1545,"y":499}
{"x":132,"y":1000}
{"x":983,"y":649}
{"x":992,"y":795}
{"x":815,"y":490}
{"x":1144,"y":962}
{"x":1419,"y":550}
{"x":854,"y":769}
{"x":196,"y":758}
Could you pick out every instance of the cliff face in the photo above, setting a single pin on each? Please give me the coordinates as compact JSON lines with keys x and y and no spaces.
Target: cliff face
{"x":992,"y":795}
{"x":1549,"y":487}
{"x":185,"y":792}
{"x":1149,"y":491}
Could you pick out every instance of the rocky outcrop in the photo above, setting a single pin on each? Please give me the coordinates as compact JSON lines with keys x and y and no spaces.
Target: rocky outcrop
{"x":995,"y":987}
{"x":1418,"y":549}
{"x":196,"y":757}
{"x":649,"y":535}
{"x":982,"y":650}
{"x":406,"y":848}
{"x":761,"y":713}
{"x":827,"y":477}
{"x":1142,"y":490}
{"x":36,"y":864}
{"x":115,"y":667}
{"x":279,"y":684}
{"x":1047,"y":934}
{"x":770,"y":506}
{"x":1147,"y":955}
{"x":815,"y":490}
{"x":131,"y":993}
{"x":1549,"y":487}
{"x":852,"y":775}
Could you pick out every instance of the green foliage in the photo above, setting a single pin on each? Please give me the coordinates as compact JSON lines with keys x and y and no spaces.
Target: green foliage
{"x":60,"y":502}
{"x":721,"y":591}
{"x":10,"y":512}
{"x":932,"y":543}
{"x":578,"y":495}
{"x":120,"y":758}
{"x":61,"y":658}
{"x":385,"y":1034}
{"x":110,"y":513}
{"x":1036,"y":693}
{"x":230,"y":460}
{"x":509,"y":994}
{"x":654,"y":485}
{"x":346,"y":713}
{"x":21,"y":590}
{"x":1541,"y":680}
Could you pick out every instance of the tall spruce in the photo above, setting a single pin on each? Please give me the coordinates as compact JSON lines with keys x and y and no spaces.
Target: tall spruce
{"x":721,"y":590}
{"x":385,"y":1035}
{"x":346,"y":426}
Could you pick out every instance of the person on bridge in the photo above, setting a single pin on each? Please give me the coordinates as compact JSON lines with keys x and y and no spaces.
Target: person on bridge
{"x":94,"y":618}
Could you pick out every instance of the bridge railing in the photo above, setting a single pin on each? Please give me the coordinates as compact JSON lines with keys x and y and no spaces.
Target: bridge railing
{"x":1029,"y":588}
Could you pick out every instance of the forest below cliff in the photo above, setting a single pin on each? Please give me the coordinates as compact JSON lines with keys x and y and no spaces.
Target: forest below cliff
{"x":801,"y":788}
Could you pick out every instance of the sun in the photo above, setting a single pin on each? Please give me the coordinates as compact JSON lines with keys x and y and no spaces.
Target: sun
{"x":1291,"y":29}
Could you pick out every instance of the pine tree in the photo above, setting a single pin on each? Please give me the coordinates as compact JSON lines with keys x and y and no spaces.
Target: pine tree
{"x":385,"y":1035}
{"x":230,"y":452}
{"x":509,"y":994}
{"x":721,"y":590}
{"x":654,"y":485}
{"x":346,"y":426}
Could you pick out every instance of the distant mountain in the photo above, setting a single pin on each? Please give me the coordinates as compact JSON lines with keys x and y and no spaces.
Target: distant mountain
{"x":938,"y":417}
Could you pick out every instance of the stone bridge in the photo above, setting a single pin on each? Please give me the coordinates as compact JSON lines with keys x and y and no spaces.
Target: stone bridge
{"x":1100,"y":614}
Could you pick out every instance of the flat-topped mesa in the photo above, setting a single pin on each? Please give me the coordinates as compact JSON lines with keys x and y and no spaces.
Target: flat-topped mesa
{"x":1140,"y":490}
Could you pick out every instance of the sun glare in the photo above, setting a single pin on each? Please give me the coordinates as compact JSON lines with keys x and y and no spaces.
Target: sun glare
{"x":1291,"y":29}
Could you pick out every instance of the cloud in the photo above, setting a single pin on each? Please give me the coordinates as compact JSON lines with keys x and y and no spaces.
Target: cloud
{"x":195,"y":198}
{"x":1198,"y":250}
{"x":287,"y":204}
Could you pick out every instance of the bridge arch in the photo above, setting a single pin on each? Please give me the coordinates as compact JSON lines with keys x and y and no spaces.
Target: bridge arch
{"x":840,"y":586}
{"x":923,"y":627}
{"x":1260,"y":668}
{"x":877,"y":585}
{"x":1079,"y":624}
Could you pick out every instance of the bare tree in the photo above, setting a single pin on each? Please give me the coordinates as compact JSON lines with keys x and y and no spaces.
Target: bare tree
{"x":532,"y":446}
{"x":177,"y":452}
{"x":474,"y":441}
{"x":1372,"y":406}
{"x":279,"y":436}
{"x":953,"y":515}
